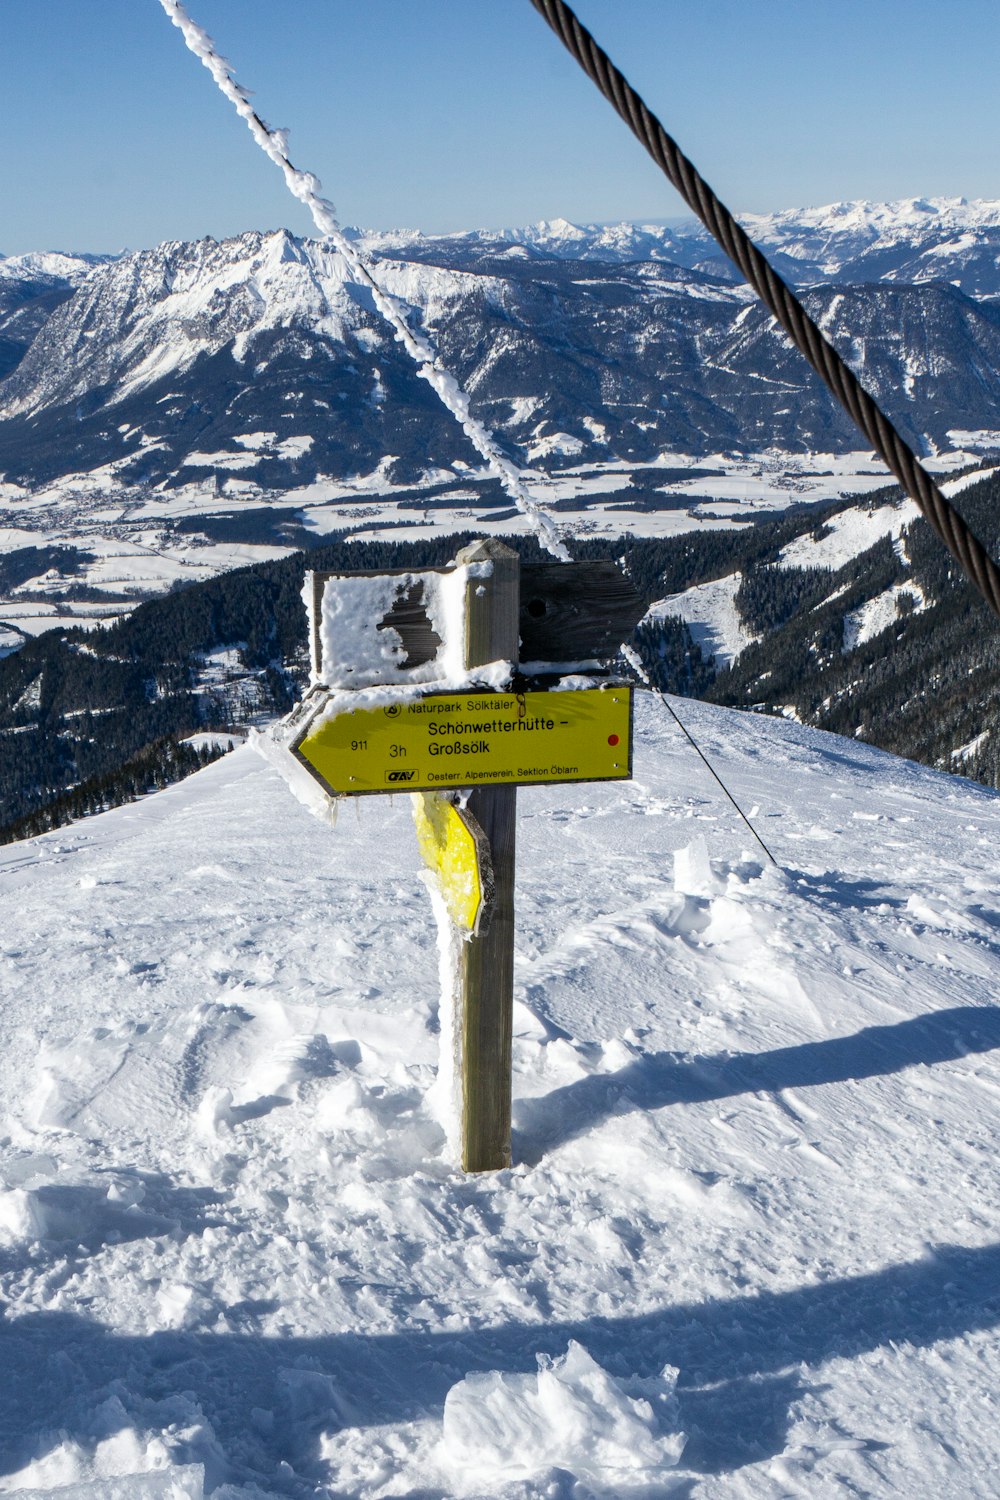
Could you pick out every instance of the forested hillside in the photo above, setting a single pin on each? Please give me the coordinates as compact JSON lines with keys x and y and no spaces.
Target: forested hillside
{"x":78,"y":705}
{"x":926,"y":686}
{"x":90,"y":713}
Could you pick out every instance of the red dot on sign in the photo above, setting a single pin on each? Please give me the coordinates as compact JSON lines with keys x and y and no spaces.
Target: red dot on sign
{"x":612,"y":739}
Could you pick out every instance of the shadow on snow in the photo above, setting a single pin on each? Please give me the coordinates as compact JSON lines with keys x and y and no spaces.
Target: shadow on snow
{"x":657,"y":1079}
{"x":267,"y":1398}
{"x":740,"y":1360}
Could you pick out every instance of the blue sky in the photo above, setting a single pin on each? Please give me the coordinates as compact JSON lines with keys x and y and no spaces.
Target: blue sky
{"x":445,"y":114}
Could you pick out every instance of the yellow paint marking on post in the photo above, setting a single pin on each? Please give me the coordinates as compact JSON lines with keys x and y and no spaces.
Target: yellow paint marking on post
{"x":449,"y":740}
{"x":454,"y":850}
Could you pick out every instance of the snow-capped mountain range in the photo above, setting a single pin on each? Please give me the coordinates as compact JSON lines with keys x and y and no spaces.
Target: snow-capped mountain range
{"x":574,"y":342}
{"x":31,"y":287}
{"x":177,"y":403}
{"x":911,"y":239}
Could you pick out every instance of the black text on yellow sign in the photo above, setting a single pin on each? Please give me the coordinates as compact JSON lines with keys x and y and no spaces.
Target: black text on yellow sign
{"x":473,"y":739}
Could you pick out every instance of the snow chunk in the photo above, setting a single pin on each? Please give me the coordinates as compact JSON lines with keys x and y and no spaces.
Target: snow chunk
{"x":446,"y":1097}
{"x":571,"y":1415}
{"x":693,"y":871}
{"x":185,"y":1482}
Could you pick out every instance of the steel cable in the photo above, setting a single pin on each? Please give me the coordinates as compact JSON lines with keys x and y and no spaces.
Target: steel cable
{"x":808,"y":338}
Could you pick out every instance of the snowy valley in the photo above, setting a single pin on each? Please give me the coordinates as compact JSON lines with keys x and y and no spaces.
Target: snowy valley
{"x":193,"y":407}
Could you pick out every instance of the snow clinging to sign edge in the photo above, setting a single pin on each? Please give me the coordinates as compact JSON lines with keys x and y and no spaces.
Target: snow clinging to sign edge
{"x":306,"y":187}
{"x":358,"y":646}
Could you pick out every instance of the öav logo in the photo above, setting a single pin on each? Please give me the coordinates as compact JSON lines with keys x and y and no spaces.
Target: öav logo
{"x":400,"y":775}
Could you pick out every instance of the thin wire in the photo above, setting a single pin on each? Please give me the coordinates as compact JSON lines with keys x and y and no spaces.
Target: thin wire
{"x":808,"y":338}
{"x":693,"y":742}
{"x":634,"y":660}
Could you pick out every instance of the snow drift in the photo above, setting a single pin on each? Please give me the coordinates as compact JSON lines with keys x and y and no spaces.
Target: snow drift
{"x":756,"y":1116}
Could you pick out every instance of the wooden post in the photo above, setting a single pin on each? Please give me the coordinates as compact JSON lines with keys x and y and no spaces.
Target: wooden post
{"x":487,"y":973}
{"x":570,"y":614}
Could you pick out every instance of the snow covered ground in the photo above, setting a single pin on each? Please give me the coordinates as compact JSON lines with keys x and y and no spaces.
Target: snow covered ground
{"x":133,"y":548}
{"x":755,"y":1199}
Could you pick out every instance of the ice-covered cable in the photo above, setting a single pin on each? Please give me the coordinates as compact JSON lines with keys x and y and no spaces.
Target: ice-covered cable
{"x":307,"y":188}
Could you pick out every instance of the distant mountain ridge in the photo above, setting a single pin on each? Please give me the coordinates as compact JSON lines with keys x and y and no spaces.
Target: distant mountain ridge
{"x":576,"y":344}
{"x":31,"y":288}
{"x":911,"y":239}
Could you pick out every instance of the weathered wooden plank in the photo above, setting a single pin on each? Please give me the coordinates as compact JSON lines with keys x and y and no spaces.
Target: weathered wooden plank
{"x":576,"y":612}
{"x":407,"y":616}
{"x":487,"y":984}
{"x":568,"y":612}
{"x":410,"y":620}
{"x":487,"y":979}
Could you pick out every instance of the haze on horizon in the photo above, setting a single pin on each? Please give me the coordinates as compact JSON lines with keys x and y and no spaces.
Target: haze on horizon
{"x":435,"y":115}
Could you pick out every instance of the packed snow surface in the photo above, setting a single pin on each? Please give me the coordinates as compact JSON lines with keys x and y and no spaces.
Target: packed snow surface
{"x":751,"y":1243}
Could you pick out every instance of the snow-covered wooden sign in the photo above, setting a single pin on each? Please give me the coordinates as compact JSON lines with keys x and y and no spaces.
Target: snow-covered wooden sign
{"x":397,"y":626}
{"x":446,"y":741}
{"x":449,"y":725}
{"x":461,"y":684}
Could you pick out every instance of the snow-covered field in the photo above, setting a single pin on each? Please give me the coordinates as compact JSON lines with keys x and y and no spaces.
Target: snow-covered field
{"x":755,"y":1199}
{"x":133,"y":549}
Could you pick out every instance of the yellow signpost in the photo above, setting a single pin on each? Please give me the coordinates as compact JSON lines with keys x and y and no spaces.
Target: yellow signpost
{"x":446,"y":740}
{"x":456,"y":851}
{"x":539,"y":618}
